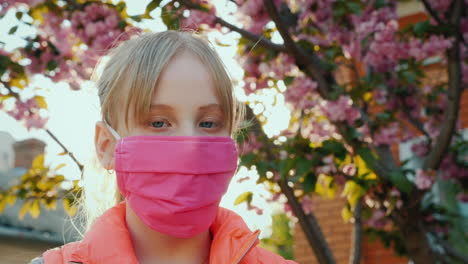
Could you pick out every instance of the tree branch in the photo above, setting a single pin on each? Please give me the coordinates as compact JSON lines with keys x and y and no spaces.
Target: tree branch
{"x":355,"y":256}
{"x":432,"y":12}
{"x":452,"y":252}
{"x":415,"y":122}
{"x":435,"y":156}
{"x":308,"y":62}
{"x":70,"y":154}
{"x":309,"y":225}
{"x":261,"y":40}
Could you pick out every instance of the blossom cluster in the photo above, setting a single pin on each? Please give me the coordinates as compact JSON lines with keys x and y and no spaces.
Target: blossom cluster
{"x":27,"y":112}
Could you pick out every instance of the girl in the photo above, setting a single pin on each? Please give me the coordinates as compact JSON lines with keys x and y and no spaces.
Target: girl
{"x":168,"y":119}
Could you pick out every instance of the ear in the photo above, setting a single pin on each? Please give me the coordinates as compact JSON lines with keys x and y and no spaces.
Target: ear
{"x":104,"y":143}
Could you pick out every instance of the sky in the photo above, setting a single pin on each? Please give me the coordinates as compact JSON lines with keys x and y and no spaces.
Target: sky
{"x":73,"y":114}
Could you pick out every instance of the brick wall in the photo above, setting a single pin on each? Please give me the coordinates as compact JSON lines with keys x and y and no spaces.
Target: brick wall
{"x":26,"y":151}
{"x":336,"y":231}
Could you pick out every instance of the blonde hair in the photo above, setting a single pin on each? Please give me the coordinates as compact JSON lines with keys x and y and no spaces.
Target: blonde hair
{"x":128,"y":80}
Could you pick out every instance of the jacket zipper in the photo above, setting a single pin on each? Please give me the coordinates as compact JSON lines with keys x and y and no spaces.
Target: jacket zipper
{"x":248,"y":249}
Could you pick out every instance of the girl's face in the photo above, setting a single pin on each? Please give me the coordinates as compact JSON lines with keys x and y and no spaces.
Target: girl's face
{"x":184,"y":104}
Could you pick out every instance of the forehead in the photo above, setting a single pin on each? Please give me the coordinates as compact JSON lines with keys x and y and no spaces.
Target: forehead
{"x":185,"y":82}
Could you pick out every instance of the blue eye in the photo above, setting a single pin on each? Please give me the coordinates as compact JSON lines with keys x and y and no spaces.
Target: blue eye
{"x":158,"y":124}
{"x":207,"y":124}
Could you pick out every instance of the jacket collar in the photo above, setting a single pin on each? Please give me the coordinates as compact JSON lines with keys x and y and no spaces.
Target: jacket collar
{"x":108,"y":240}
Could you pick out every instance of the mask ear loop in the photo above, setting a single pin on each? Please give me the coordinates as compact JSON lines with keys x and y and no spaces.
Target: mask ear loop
{"x":112,"y":131}
{"x":116,"y":136}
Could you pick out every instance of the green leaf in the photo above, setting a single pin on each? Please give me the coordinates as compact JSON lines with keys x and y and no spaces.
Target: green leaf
{"x":309,"y":182}
{"x":244,"y":197}
{"x":335,"y":147}
{"x":303,"y":166}
{"x":401,"y":182}
{"x":137,"y":18}
{"x":409,"y":76}
{"x":421,"y":27}
{"x":19,"y":15}
{"x":285,"y":166}
{"x":121,"y":6}
{"x":51,"y":65}
{"x":288,"y":80}
{"x":150,"y":7}
{"x":262,"y":167}
{"x":247,"y":159}
{"x":353,"y":7}
{"x":13,"y":30}
{"x":367,"y":156}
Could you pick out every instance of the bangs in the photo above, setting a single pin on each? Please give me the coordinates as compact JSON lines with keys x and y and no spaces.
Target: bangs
{"x":133,"y":71}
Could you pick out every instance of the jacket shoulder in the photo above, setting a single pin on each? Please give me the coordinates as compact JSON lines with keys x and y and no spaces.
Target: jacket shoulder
{"x":58,"y":255}
{"x":263,"y":256}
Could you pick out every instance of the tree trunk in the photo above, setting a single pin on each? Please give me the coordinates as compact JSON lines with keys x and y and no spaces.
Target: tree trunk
{"x":415,"y":238}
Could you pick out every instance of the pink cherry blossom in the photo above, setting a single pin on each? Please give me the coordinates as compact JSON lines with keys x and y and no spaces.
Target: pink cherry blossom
{"x":349,"y":169}
{"x":299,"y":93}
{"x":449,"y":169}
{"x":377,"y":219}
{"x":440,"y":6}
{"x":387,"y":135}
{"x":420,"y":149}
{"x":27,"y":113}
{"x":341,"y":110}
{"x":424,"y":179}
{"x":197,"y":18}
{"x":463,"y":197}
{"x":250,"y":144}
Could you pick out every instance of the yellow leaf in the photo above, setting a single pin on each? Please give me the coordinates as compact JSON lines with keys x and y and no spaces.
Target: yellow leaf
{"x":363,"y":170}
{"x":2,"y":204}
{"x":35,"y":209}
{"x":24,"y":209}
{"x":19,"y":82}
{"x":62,"y":153}
{"x":346,"y":214}
{"x":325,"y":187}
{"x":38,"y":162}
{"x":71,"y":210}
{"x":60,"y":166}
{"x":367,"y":96}
{"x":51,"y":204}
{"x":42,"y":185}
{"x":41,"y":101}
{"x":353,"y":192}
{"x":10,"y":199}
{"x":244,"y":197}
{"x":36,"y":14}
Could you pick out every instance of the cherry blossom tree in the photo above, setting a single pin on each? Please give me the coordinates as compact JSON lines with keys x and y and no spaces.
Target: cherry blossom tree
{"x":356,"y":81}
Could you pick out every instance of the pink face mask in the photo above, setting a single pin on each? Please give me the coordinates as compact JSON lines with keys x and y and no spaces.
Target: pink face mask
{"x":175,"y":183}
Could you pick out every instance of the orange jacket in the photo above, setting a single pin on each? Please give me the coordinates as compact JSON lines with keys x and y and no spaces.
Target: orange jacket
{"x":108,"y":241}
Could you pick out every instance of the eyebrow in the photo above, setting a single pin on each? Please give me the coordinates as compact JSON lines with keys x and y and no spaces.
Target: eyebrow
{"x":201,"y":108}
